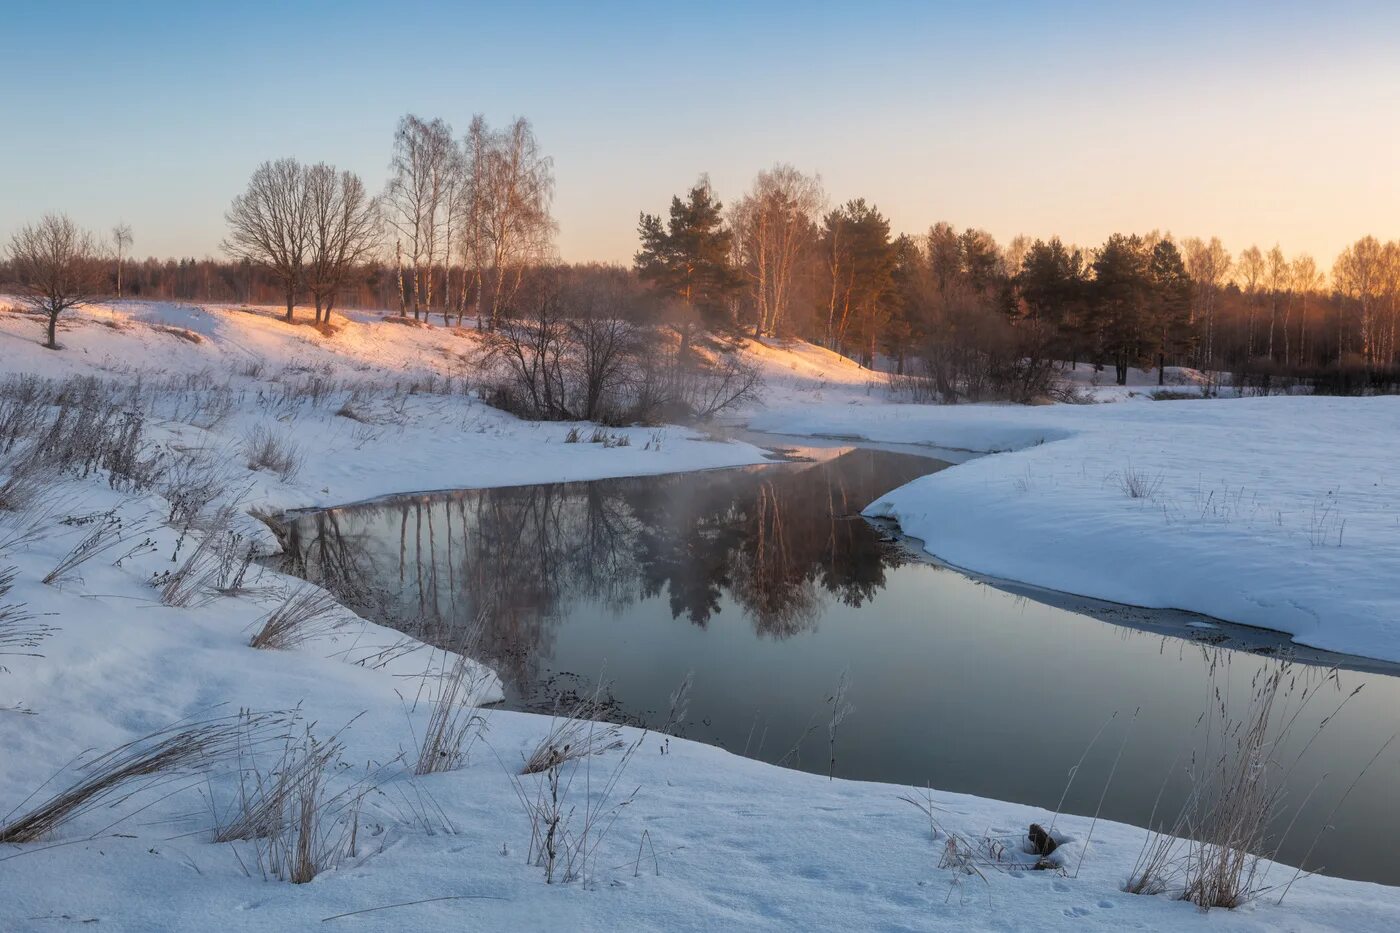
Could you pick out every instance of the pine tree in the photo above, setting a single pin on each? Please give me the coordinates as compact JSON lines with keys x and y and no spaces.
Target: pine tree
{"x":689,"y":256}
{"x":1051,"y":284}
{"x":1170,"y":305}
{"x":1121,"y":293}
{"x":861,"y":261}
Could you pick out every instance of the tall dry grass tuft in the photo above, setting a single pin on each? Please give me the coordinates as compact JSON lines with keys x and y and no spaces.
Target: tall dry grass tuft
{"x":19,"y":633}
{"x":156,"y":757}
{"x":300,"y":826}
{"x":454,"y":722}
{"x":565,"y":832}
{"x":578,"y":733}
{"x":197,"y":579}
{"x":1137,"y":484}
{"x":266,"y":450}
{"x":108,"y":531}
{"x":307,"y":611}
{"x":265,"y":794}
{"x":1215,"y":851}
{"x":24,"y":479}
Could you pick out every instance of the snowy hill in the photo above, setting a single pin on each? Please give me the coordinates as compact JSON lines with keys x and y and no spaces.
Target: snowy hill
{"x":1276,"y":511}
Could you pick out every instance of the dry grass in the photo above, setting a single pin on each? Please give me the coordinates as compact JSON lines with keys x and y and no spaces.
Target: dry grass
{"x":266,"y":795}
{"x":307,"y":611}
{"x":1135,"y":484}
{"x":1214,"y":852}
{"x":194,"y":479}
{"x":18,"y":530}
{"x":108,"y":531}
{"x":577,"y":734}
{"x":565,"y":832}
{"x":268,"y":451}
{"x":202,"y":574}
{"x":181,"y":332}
{"x":107,"y":779}
{"x":19,"y":634}
{"x":454,"y":722}
{"x":306,"y":828}
{"x":24,"y":480}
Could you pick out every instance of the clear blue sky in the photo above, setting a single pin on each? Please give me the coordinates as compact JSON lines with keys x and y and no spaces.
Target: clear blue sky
{"x":1252,"y":121}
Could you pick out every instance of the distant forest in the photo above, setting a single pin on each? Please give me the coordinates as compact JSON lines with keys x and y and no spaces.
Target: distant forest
{"x":462,"y":233}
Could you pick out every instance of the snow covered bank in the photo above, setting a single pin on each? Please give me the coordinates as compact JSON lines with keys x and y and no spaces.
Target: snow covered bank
{"x":1276,"y":512}
{"x":377,"y":408}
{"x":708,"y":841}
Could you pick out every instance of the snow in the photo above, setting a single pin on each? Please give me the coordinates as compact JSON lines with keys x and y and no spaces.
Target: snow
{"x":409,"y":437}
{"x":1278,"y":512}
{"x":710,"y":840}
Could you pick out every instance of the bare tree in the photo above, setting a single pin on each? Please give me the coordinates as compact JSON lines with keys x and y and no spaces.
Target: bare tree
{"x":268,"y":224}
{"x":1305,"y":280}
{"x":472,"y":246}
{"x":426,"y":165}
{"x":511,"y":188}
{"x":1209,"y":265}
{"x":1278,"y":279}
{"x":1358,"y":274}
{"x":1249,"y":271}
{"x":121,"y":239}
{"x":55,"y":265}
{"x":1389,"y":330}
{"x":775,"y":226}
{"x":344,"y":232}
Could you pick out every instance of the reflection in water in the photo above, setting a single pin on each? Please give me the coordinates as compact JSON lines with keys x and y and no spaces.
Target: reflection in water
{"x":776,"y":540}
{"x":767,"y":585}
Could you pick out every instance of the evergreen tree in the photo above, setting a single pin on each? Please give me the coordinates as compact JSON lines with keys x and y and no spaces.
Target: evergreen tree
{"x":689,"y":256}
{"x":1121,"y":292}
{"x":861,"y":261}
{"x":907,"y":324}
{"x":1171,"y":304}
{"x":1050,"y":284}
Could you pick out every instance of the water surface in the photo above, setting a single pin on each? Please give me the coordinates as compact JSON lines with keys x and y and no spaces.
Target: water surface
{"x":767,"y":589}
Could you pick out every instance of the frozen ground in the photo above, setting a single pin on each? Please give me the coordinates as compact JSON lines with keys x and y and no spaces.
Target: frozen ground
{"x":706,"y":840}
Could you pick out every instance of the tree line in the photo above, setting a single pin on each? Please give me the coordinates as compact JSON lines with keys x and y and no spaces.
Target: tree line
{"x":980,"y":318}
{"x":462,"y":229}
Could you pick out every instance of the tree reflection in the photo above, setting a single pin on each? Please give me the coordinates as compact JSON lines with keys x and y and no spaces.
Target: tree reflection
{"x":502,"y":567}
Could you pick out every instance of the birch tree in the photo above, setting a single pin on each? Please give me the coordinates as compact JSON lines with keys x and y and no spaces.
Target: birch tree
{"x":775,"y":226}
{"x":510,"y":193}
{"x":1357,"y":274}
{"x":417,"y":202}
{"x":1249,"y":271}
{"x":1208,"y":265}
{"x":121,"y":241}
{"x":1277,"y":278}
{"x":1305,"y":280}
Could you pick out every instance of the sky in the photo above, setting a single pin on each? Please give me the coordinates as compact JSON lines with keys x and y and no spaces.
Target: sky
{"x":1259,"y":122}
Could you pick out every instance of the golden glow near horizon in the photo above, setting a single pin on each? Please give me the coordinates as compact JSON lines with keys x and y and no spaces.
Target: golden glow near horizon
{"x":1257,"y":123}
{"x":1312,"y":176}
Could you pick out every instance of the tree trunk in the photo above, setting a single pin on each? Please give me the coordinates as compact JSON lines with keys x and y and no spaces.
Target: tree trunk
{"x":53,"y":331}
